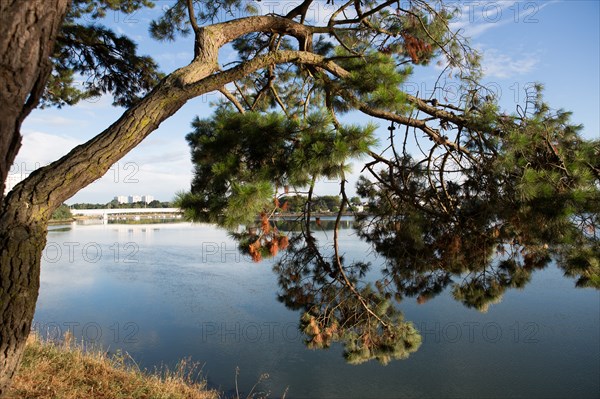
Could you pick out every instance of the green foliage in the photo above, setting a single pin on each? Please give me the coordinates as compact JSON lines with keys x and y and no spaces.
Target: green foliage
{"x":188,"y":203}
{"x":109,"y":62}
{"x":62,"y":89}
{"x":115,"y":204}
{"x":584,"y":264}
{"x":242,"y":159}
{"x":322,"y":203}
{"x":95,"y":9}
{"x":326,"y":203}
{"x":363,"y":341}
{"x":105,"y":61}
{"x":375,"y":79}
{"x":175,"y":19}
{"x":235,"y":163}
{"x":338,"y":307}
{"x":526,"y":194}
{"x":247,"y":201}
{"x":396,"y":343}
{"x":293,"y":203}
{"x":547,"y":169}
{"x":62,"y":213}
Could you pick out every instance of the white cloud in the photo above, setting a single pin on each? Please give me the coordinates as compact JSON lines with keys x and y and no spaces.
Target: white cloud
{"x":170,"y":157}
{"x":160,"y":169}
{"x":499,"y":65}
{"x":476,"y":18}
{"x":42,"y":148}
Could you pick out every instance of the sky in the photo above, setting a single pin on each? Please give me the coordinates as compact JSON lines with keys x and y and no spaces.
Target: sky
{"x":556,"y":43}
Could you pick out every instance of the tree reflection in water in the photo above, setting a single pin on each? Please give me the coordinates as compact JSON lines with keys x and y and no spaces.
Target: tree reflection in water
{"x":475,"y":212}
{"x":337,"y":305}
{"x":474,"y":252}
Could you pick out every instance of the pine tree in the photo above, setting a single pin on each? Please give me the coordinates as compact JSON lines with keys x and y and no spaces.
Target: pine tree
{"x":298,"y":78}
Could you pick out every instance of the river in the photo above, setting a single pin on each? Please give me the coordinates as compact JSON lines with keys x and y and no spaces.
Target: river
{"x":172,"y":291}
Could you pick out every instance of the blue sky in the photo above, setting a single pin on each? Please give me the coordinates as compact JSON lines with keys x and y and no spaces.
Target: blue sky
{"x":553,"y":42}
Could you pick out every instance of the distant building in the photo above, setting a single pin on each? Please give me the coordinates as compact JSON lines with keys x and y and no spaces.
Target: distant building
{"x":131,"y":199}
{"x":147,"y":198}
{"x":134,"y":198}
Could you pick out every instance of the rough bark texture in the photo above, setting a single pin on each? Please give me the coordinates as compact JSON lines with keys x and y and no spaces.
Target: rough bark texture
{"x":29,"y":29}
{"x":21,"y":246}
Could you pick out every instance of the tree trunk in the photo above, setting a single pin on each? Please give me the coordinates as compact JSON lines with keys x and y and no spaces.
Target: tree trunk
{"x":22,"y":240}
{"x":29,"y":29}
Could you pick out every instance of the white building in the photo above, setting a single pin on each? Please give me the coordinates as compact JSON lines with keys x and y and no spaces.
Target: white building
{"x":147,"y":198}
{"x":134,"y":198}
{"x":121,"y":199}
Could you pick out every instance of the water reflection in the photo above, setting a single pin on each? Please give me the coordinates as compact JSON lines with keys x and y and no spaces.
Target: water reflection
{"x":479,"y":266}
{"x":338,"y":306}
{"x":477,"y":259}
{"x":192,"y":294}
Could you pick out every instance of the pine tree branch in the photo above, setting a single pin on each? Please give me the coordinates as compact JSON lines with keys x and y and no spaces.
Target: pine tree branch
{"x":48,"y":187}
{"x":300,"y":10}
{"x":338,"y":261}
{"x":228,"y":31}
{"x":407,"y":121}
{"x":232,"y":99}
{"x":278,"y":99}
{"x":192,"y":16}
{"x":197,"y":30}
{"x":364,"y":15}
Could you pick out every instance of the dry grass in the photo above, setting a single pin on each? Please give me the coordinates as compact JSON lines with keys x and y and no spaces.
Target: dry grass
{"x":66,"y":371}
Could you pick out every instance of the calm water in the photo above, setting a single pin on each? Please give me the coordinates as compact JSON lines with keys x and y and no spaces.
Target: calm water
{"x":167,"y":292}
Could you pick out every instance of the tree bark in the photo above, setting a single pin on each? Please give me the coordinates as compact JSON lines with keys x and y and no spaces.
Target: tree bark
{"x":29,"y":29}
{"x":21,"y":245}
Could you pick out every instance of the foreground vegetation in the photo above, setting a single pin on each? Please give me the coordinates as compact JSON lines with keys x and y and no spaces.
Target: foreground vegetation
{"x":66,"y":371}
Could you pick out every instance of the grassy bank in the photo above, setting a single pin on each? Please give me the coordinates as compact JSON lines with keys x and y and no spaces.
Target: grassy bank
{"x":66,"y":371}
